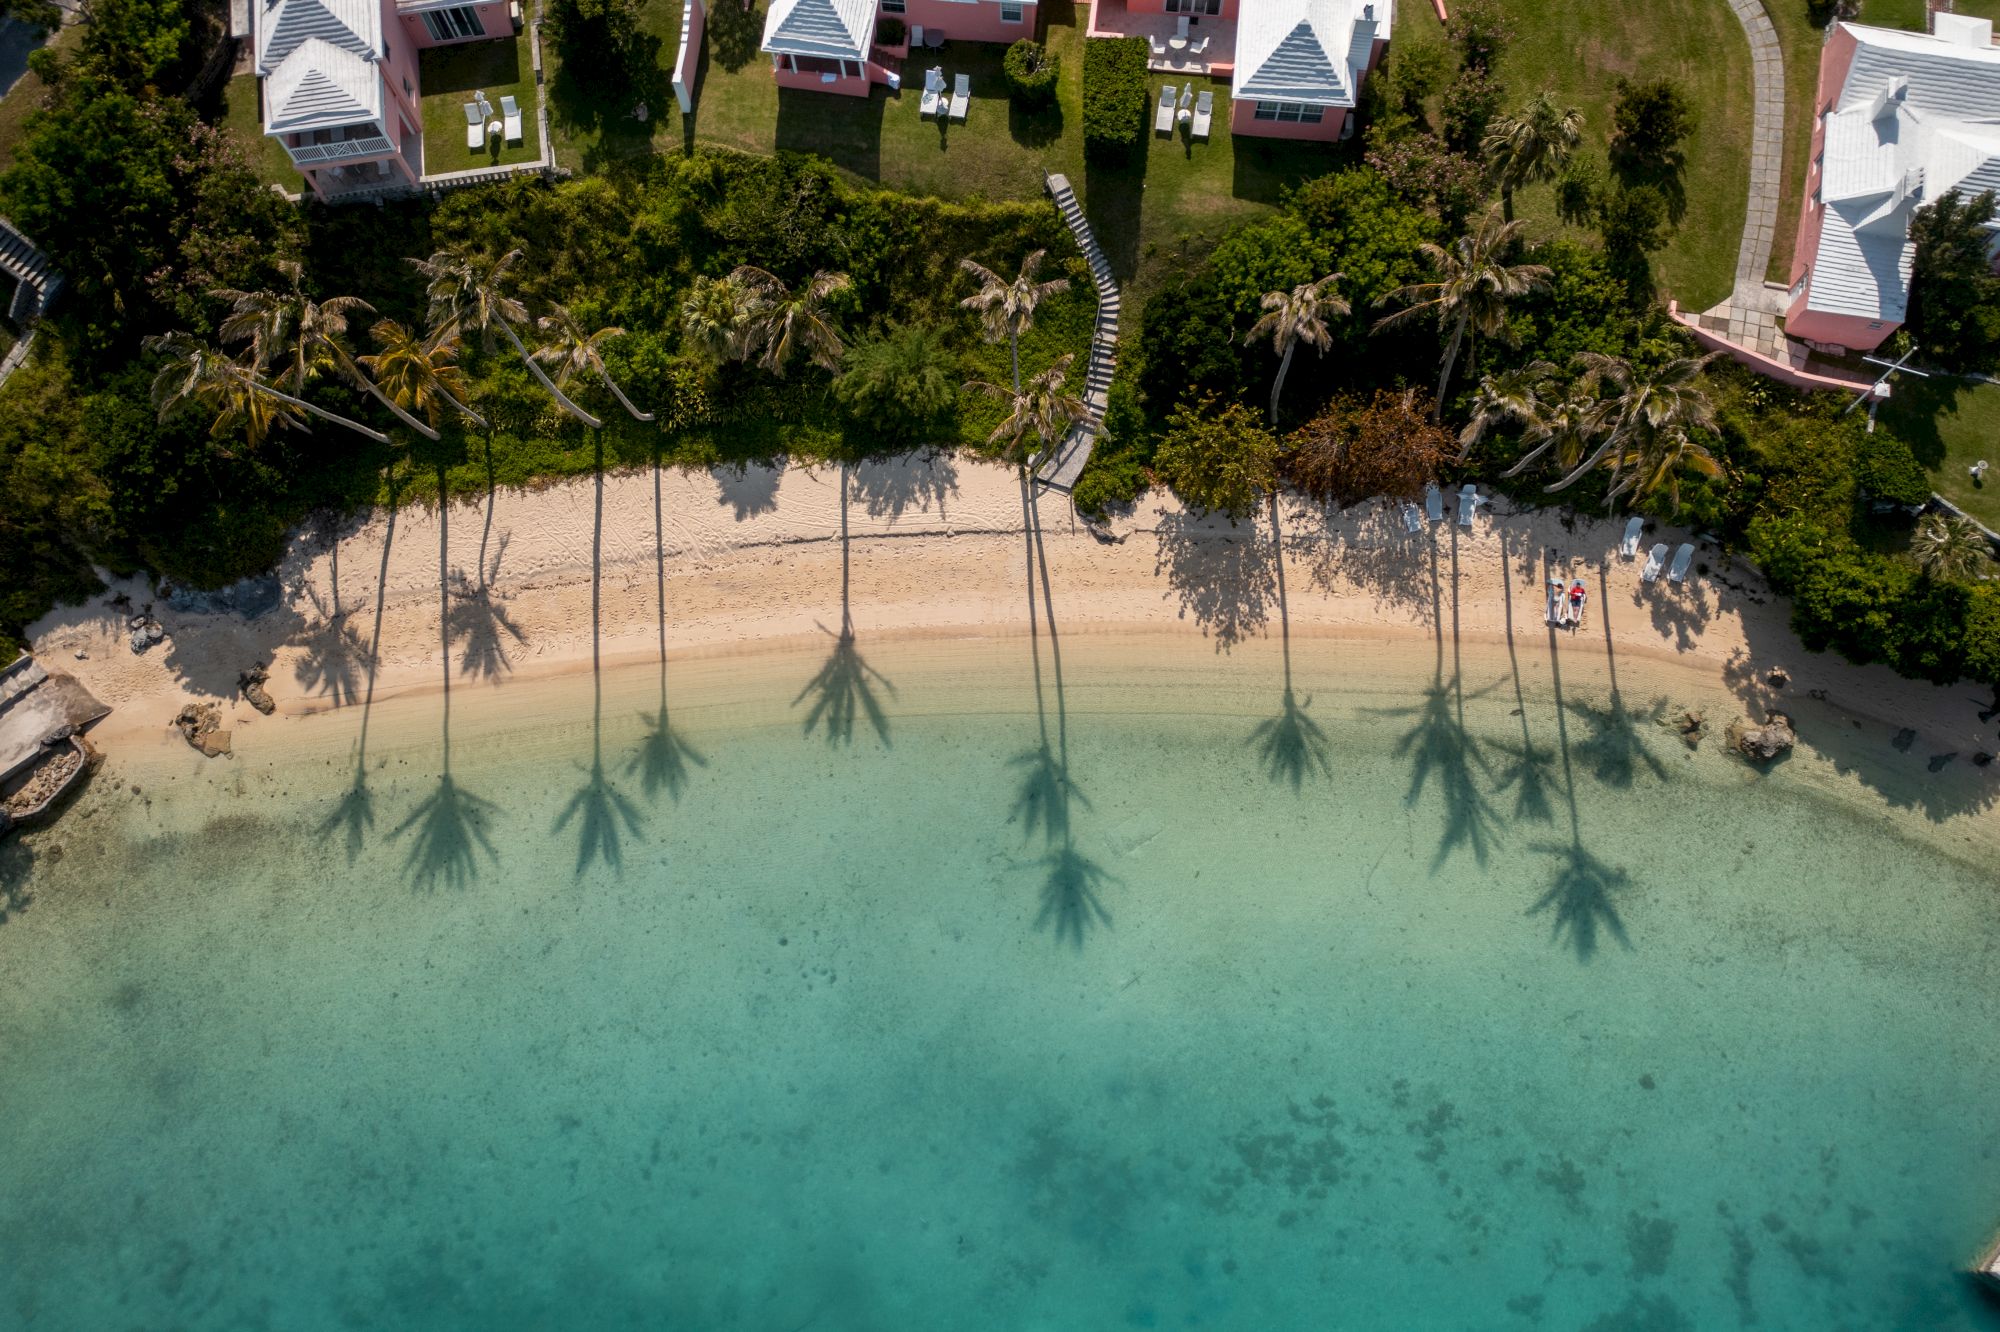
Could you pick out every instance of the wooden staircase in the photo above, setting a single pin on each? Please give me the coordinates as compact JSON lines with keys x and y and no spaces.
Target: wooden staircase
{"x":1061,"y":468}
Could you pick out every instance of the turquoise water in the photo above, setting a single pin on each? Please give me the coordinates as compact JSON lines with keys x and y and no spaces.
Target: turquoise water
{"x":1506,"y":1014}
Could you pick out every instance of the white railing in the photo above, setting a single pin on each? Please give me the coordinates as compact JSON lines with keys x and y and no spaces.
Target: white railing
{"x":341,"y":149}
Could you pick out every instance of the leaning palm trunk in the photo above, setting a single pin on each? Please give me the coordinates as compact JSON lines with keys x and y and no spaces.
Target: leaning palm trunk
{"x":1450,"y":359}
{"x":257,"y":386}
{"x":1278,"y":388}
{"x":362,"y":381}
{"x":545,"y":381}
{"x":623,"y":401}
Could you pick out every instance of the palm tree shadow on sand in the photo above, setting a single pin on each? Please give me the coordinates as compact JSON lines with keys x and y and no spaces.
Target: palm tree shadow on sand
{"x":598,"y":809}
{"x":663,"y":757}
{"x":1072,"y":901}
{"x":450,"y":823}
{"x":843,"y":691}
{"x":1617,"y":748}
{"x":1291,"y":744}
{"x":1530,"y":770}
{"x":333,"y":662}
{"x":353,"y":816}
{"x":478,"y":618}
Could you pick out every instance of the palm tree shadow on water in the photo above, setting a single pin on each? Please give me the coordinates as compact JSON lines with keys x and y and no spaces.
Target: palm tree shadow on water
{"x":353,"y":816}
{"x":450,"y":823}
{"x":1530,"y":772}
{"x":1291,"y":744}
{"x":661,"y":762}
{"x":598,"y":808}
{"x":1072,"y":901}
{"x":1616,"y":749}
{"x":844,"y":689}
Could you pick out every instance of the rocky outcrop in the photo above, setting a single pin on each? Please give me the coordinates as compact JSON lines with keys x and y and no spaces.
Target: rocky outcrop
{"x":200,"y":725}
{"x":251,"y":683}
{"x":1761,"y":744}
{"x":1689,"y":724}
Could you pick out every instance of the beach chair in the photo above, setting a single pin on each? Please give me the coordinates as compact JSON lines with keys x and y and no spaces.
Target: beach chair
{"x":1204,"y":114}
{"x":1434,"y":502}
{"x":510,"y":115}
{"x":1656,"y":560}
{"x":1682,"y":559}
{"x":475,"y":128}
{"x":961,"y":95}
{"x":1557,"y":599}
{"x":1413,"y":521}
{"x":1163,"y":120}
{"x":933,"y":92}
{"x":1468,"y":504}
{"x":1629,"y":547}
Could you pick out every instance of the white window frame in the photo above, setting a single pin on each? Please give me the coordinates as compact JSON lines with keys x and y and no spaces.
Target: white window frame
{"x":1013,"y":11}
{"x":444,"y":24}
{"x":1289,"y":113}
{"x":895,"y":6}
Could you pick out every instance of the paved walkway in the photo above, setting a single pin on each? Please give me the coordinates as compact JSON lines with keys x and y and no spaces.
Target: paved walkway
{"x":1065,"y":465}
{"x":1749,"y":316}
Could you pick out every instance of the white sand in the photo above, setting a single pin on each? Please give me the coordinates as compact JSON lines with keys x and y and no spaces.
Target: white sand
{"x":933,"y":546}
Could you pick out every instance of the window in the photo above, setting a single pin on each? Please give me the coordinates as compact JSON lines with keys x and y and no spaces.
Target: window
{"x":1010,"y":13}
{"x":1194,"y":6}
{"x":450,"y":25}
{"x":1290,"y":113}
{"x":894,"y":6}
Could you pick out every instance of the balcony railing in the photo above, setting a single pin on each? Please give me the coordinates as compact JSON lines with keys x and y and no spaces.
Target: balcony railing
{"x":341,"y":149}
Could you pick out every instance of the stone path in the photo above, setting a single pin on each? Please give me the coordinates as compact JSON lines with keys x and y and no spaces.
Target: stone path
{"x":1062,"y":467}
{"x":1749,"y":317}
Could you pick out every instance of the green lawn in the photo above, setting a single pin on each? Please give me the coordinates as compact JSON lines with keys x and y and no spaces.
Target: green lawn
{"x":242,"y":115}
{"x":450,"y":75}
{"x":1910,"y":14}
{"x":1950,"y":425}
{"x":26,"y":95}
{"x":1801,"y":42}
{"x":1986,"y":9}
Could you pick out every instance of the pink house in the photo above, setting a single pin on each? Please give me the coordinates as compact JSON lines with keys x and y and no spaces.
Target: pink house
{"x":1902,"y":119}
{"x":829,"y":45}
{"x":1294,"y":66}
{"x":339,"y":82}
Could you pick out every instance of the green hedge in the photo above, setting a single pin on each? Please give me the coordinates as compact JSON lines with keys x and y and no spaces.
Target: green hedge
{"x":1114,"y":96}
{"x":1887,"y":472}
{"x":1031,"y":71}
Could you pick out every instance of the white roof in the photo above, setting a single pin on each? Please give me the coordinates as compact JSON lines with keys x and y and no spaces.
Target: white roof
{"x":1918,"y":117}
{"x":832,"y":29}
{"x":317,"y":59}
{"x":1310,"y":51}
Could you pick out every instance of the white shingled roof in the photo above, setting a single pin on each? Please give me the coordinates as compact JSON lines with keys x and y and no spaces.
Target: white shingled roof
{"x":284,"y":25}
{"x":317,"y":59}
{"x":830,"y":29}
{"x":1918,"y":117}
{"x":1311,"y":51}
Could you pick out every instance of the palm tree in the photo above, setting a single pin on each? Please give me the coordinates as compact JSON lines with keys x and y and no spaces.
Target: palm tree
{"x":1514,"y":396}
{"x":1043,"y":412}
{"x":1533,"y":144}
{"x":1007,"y":309}
{"x":237,"y":392}
{"x":572,"y":352}
{"x":1564,"y":427}
{"x":1645,"y":420}
{"x":312,"y":334}
{"x":1292,"y":317}
{"x":718,"y":317}
{"x":418,"y":373}
{"x":784,"y":322}
{"x":1473,"y":286}
{"x":468,"y":294}
{"x":1949,"y":547}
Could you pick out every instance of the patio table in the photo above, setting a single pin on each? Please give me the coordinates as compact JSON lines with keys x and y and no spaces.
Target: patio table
{"x":933,"y":39}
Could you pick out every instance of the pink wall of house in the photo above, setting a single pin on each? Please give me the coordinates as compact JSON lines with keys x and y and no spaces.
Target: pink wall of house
{"x":811,"y":76}
{"x":1160,"y":7}
{"x":961,"y":22}
{"x":687,"y":60}
{"x":1850,"y":331}
{"x":1243,"y":120}
{"x":492,"y":15}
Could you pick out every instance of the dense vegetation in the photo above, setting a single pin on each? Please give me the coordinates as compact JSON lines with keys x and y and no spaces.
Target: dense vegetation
{"x":1114,"y":97}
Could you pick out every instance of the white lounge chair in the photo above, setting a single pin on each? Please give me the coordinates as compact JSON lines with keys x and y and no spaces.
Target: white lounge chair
{"x":933,"y":92}
{"x":961,"y":95}
{"x":1468,"y":504}
{"x":1163,"y":119}
{"x":510,"y":114}
{"x":1682,"y":559}
{"x":1413,"y":521}
{"x":1434,"y":502}
{"x":475,"y":128}
{"x":1629,"y":547}
{"x":1656,"y":560}
{"x":1204,"y":114}
{"x":1556,"y":600}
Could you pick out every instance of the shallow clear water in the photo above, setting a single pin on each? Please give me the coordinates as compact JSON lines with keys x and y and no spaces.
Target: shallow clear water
{"x":958,"y":1031}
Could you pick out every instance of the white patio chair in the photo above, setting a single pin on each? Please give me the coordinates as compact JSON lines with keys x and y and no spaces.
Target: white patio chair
{"x":1434,"y":502}
{"x":475,"y":128}
{"x":1683,"y":557}
{"x":510,"y":111}
{"x":1197,"y":46}
{"x":1468,"y":504}
{"x":933,"y":92}
{"x":1163,"y":119}
{"x":1656,"y":560}
{"x":1158,"y":46}
{"x":916,"y":36}
{"x":1629,"y":547}
{"x":961,"y":95}
{"x":1204,"y":114}
{"x":1181,"y":27}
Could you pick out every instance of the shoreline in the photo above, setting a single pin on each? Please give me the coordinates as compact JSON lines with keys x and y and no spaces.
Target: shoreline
{"x":506,"y":590}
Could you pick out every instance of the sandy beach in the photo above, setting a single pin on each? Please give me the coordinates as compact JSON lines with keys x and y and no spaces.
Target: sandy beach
{"x":928,"y":546}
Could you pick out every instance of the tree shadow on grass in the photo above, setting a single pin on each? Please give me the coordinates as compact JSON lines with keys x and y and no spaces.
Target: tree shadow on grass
{"x":734,"y":33}
{"x":1113,"y":193}
{"x":1291,"y":744}
{"x":1222,"y":573}
{"x":847,"y":131}
{"x":594,"y":95}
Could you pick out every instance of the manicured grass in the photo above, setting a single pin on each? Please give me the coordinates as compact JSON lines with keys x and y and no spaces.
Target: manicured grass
{"x":1801,"y":43}
{"x":25,"y":96}
{"x":241,"y":114}
{"x":450,"y":75}
{"x":1986,"y":9}
{"x":1951,"y":424}
{"x":1910,"y":14}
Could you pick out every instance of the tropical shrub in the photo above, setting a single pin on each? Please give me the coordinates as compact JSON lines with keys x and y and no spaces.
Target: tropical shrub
{"x":1887,"y":472}
{"x":1031,"y":71}
{"x":1649,"y":122}
{"x":1954,"y":311}
{"x":1218,"y":458}
{"x":1114,"y":96}
{"x":1357,"y":449}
